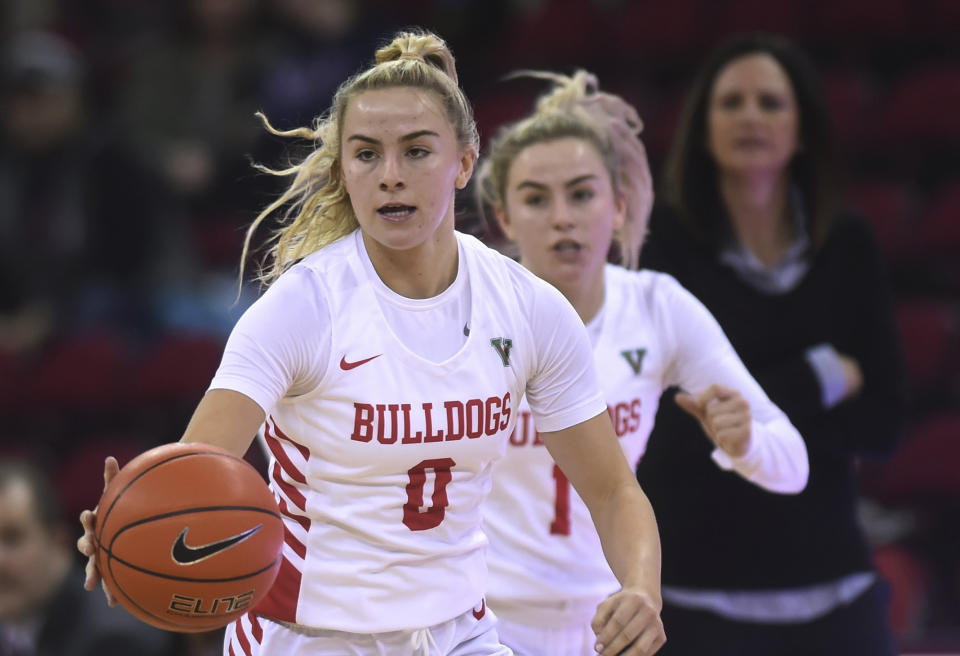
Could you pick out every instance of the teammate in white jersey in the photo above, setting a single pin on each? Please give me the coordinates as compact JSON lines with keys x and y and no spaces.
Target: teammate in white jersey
{"x":386,"y":363}
{"x":562,"y":184}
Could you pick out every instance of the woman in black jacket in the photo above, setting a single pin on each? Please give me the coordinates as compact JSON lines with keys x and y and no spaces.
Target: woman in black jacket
{"x":749,"y":224}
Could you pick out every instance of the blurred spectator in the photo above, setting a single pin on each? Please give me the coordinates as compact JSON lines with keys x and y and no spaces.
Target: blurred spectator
{"x":43,"y":608}
{"x":76,"y":214}
{"x":749,"y":224}
{"x":188,"y":103}
{"x":317,"y":44}
{"x":188,"y":107}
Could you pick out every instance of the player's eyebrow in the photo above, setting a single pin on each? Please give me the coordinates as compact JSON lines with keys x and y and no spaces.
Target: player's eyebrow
{"x":407,"y":137}
{"x":532,"y":184}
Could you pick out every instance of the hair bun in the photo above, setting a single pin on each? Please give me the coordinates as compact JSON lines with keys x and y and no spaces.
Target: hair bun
{"x":424,"y":47}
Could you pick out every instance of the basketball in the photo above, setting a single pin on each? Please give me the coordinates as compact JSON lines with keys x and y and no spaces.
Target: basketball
{"x":188,"y":537}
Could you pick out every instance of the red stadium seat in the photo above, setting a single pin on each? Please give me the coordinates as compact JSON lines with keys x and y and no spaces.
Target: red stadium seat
{"x":560,"y":33}
{"x":909,"y":579}
{"x":920,"y":110}
{"x":871,"y":21}
{"x":177,"y":369}
{"x":851,"y":96}
{"x":792,"y":19}
{"x":890,"y":208}
{"x":939,"y":229}
{"x":79,"y":478}
{"x":648,"y":29}
{"x":219,"y":241}
{"x":78,"y":371}
{"x":924,"y":468}
{"x":930,"y":333}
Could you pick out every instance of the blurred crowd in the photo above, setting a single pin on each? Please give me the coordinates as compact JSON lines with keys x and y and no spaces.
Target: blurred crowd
{"x":127,"y":133}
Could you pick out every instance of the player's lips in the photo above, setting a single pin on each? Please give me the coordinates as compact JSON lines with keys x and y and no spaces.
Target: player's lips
{"x":396,"y":211}
{"x":567,"y":250}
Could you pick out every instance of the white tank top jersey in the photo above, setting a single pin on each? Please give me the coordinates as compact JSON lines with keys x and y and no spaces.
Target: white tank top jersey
{"x":381,"y":458}
{"x":653,"y":334}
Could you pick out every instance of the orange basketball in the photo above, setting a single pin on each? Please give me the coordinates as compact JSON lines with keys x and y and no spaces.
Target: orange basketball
{"x":188,"y":537}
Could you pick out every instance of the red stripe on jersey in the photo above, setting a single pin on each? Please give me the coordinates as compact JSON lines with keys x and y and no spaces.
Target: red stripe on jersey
{"x":257,"y":629}
{"x":304,"y":451}
{"x":292,"y":493}
{"x":277,"y":450}
{"x":281,"y":602}
{"x":230,"y":650}
{"x":298,"y":547}
{"x":299,"y":519}
{"x":242,"y":639}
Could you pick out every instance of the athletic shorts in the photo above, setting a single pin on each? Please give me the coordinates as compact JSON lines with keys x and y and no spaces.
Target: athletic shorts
{"x":472,"y":634}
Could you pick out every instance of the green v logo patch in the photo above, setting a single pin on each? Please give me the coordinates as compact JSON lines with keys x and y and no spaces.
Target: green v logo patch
{"x":502,"y":345}
{"x":634,"y":358}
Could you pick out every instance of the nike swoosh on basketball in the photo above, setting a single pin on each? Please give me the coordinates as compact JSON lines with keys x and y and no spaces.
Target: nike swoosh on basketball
{"x":347,"y":366}
{"x":184,"y":554}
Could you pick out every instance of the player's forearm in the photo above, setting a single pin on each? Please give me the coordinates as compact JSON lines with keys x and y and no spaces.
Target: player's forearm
{"x":631,"y":541}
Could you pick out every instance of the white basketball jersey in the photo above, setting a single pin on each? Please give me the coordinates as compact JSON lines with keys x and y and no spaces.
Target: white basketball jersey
{"x":654,"y":334}
{"x":381,"y":469}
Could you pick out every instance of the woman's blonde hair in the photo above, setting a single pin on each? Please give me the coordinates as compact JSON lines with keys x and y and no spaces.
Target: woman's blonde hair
{"x":317,"y":206}
{"x":575,"y":107}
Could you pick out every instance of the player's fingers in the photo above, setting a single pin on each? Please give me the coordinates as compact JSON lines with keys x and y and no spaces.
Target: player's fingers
{"x":735,"y":441}
{"x":110,"y":469}
{"x":715,"y":391}
{"x":648,"y":642}
{"x":111,"y":600}
{"x":600,"y":618}
{"x":726,"y":421}
{"x":689,"y":405}
{"x":633,"y":629}
{"x":614,"y":636}
{"x":85,"y":546}
{"x":92,"y":575}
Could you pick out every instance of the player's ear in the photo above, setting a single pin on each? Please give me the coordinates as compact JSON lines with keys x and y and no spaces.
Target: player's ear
{"x":503,"y":221}
{"x":468,"y":158}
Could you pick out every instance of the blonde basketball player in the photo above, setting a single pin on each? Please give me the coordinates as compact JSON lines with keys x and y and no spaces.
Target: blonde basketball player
{"x":562,"y":183}
{"x":386,"y":362}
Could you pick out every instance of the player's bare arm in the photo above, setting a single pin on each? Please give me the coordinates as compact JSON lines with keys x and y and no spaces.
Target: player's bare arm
{"x":227,"y":419}
{"x":628,"y":622}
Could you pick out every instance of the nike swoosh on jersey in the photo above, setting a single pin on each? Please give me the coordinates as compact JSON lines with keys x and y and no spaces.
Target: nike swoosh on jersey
{"x":478,"y":614}
{"x":347,"y":366}
{"x":184,"y":554}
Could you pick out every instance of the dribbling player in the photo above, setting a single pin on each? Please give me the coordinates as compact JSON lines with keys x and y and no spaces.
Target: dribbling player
{"x":386,"y":361}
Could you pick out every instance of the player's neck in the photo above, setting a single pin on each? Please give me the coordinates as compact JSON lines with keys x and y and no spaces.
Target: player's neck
{"x":586,"y":295}
{"x":424,"y":271}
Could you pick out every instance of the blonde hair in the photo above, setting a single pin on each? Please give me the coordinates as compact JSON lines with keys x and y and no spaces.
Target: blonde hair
{"x":575,"y":107}
{"x":318,"y":208}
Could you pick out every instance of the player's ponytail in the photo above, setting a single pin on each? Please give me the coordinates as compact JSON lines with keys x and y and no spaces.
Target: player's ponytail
{"x":316,"y":206}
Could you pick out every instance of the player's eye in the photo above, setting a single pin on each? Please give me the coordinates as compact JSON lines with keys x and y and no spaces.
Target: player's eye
{"x":582,"y":195}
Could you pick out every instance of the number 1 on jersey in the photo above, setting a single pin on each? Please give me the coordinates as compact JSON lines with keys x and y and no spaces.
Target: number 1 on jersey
{"x":561,"y":516}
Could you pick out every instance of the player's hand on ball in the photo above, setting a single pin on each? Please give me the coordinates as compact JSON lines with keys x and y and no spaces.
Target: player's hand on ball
{"x":628,"y":624}
{"x":724,"y":415}
{"x":87,"y":544}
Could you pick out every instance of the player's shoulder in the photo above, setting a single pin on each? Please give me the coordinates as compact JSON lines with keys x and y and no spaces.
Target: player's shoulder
{"x":645,"y":288}
{"x":505,"y":271}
